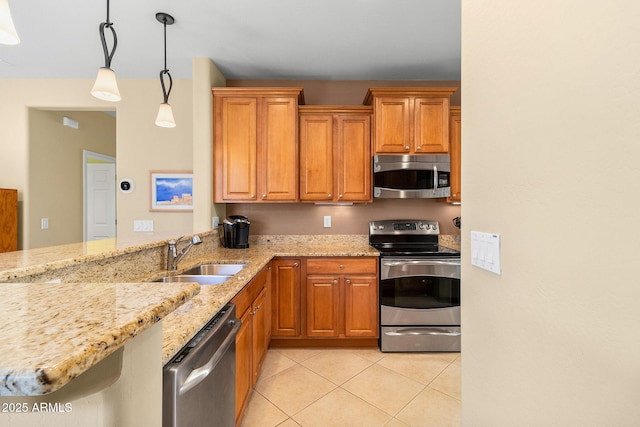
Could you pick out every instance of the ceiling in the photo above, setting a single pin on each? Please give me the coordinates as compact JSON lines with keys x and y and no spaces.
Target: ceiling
{"x":247,"y":39}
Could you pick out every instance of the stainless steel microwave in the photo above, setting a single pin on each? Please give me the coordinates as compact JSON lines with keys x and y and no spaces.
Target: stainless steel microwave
{"x":420,"y":176}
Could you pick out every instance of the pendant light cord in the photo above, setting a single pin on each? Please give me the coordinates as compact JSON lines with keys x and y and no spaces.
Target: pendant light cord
{"x":164,"y":72}
{"x":108,"y":55}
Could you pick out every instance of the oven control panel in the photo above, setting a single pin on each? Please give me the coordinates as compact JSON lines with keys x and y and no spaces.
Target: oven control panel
{"x":411,"y":226}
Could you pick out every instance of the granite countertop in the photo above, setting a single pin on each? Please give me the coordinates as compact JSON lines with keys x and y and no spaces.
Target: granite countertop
{"x":181,"y":325}
{"x":57,"y":331}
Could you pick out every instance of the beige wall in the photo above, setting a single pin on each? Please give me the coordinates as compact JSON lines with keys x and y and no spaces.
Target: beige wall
{"x":205,"y":76}
{"x":56,"y":170}
{"x":141,"y":146}
{"x":144,"y":147}
{"x":551,"y":142}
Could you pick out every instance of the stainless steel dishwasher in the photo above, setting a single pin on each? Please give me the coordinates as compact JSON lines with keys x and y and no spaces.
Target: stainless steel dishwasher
{"x":199,"y":382}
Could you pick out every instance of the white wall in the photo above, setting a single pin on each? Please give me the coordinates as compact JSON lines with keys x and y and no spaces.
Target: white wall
{"x":551,"y":145}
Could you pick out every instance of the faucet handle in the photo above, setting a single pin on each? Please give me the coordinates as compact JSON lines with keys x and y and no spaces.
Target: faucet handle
{"x":173,"y":242}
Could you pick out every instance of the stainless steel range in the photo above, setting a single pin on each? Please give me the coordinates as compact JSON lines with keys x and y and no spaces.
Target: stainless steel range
{"x":419,"y":287}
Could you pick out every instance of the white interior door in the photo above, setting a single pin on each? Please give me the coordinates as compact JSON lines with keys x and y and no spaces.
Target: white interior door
{"x":100,"y":201}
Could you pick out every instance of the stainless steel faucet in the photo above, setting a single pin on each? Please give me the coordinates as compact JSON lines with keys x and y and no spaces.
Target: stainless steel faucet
{"x":173,"y":256}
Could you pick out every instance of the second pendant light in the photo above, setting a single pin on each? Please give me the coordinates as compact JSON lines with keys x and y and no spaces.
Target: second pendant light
{"x":165,"y":113}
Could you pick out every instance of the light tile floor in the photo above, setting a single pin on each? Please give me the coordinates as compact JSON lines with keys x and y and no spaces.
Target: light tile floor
{"x":355,"y":387}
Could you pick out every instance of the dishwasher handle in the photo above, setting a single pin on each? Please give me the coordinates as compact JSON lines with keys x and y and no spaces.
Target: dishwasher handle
{"x":199,"y":374}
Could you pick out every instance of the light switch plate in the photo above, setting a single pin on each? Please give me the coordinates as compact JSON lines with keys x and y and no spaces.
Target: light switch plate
{"x":327,"y":221}
{"x":485,"y":251}
{"x":142,"y":225}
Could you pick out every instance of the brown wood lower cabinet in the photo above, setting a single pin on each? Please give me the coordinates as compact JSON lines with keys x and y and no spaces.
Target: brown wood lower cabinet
{"x":252,"y":341}
{"x":342,"y":297}
{"x":285,"y":297}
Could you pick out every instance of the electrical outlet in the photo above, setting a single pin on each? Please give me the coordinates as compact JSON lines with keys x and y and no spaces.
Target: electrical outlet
{"x":44,"y":223}
{"x":327,"y":221}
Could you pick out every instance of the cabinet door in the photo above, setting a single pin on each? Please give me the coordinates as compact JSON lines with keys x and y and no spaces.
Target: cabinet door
{"x":285,"y":298}
{"x":260,"y":337}
{"x":316,"y":157}
{"x":392,"y":124}
{"x":431,"y":125}
{"x":235,"y":149}
{"x":455,"y":139}
{"x":361,"y":306}
{"x":278,"y":142}
{"x":323,"y":306}
{"x":244,"y":376}
{"x":353,"y":135}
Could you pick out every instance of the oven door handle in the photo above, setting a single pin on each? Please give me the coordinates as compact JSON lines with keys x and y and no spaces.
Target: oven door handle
{"x":423,"y":331}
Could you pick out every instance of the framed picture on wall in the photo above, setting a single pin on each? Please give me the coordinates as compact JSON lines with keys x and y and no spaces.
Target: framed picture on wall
{"x":171,"y":191}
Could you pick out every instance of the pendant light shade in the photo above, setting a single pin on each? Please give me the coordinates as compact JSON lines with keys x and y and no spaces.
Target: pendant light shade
{"x":106,"y":87}
{"x":165,"y":116}
{"x":8,"y":34}
{"x":165,"y":113}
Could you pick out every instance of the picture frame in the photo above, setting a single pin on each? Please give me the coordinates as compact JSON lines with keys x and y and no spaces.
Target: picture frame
{"x":171,"y":191}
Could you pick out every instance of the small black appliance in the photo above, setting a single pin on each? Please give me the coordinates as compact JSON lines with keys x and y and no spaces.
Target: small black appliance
{"x":236,"y":232}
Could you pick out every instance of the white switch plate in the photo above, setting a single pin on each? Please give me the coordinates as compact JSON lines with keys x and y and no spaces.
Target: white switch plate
{"x":215,"y":222}
{"x":485,"y":251}
{"x":327,"y":221}
{"x":142,"y":225}
{"x":44,"y":223}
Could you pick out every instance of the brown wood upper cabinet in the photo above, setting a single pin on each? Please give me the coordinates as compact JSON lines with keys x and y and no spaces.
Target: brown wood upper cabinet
{"x":455,"y":139}
{"x":256,"y":144}
{"x":410,"y":120}
{"x":335,"y":154}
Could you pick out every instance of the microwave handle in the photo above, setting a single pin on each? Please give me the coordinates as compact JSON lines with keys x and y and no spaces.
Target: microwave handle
{"x":435,"y":178}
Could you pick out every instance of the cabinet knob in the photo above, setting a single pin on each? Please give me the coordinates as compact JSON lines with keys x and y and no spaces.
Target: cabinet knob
{"x":340,"y":196}
{"x":348,"y":282}
{"x":335,"y":281}
{"x":257,"y":307}
{"x":341,"y":266}
{"x":406,"y":148}
{"x":253,"y":313}
{"x":295,"y":264}
{"x":264,"y":196}
{"x":419,"y":147}
{"x":253,"y":196}
{"x":329,"y":196}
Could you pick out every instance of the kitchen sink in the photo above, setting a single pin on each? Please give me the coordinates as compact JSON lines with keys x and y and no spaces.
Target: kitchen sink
{"x":215,"y":269}
{"x":202,"y":279}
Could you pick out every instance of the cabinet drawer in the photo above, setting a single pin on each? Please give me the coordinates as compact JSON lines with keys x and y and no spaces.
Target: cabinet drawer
{"x":342,"y":265}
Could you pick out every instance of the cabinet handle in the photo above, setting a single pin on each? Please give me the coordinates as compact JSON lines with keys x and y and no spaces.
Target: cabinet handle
{"x":406,"y":148}
{"x":264,"y":196}
{"x":253,"y":313}
{"x":348,"y":281}
{"x":295,"y":264}
{"x":329,"y":196}
{"x":257,"y":307}
{"x":341,"y":266}
{"x":253,"y":196}
{"x":335,"y":281}
{"x":340,"y":196}
{"x":419,"y":147}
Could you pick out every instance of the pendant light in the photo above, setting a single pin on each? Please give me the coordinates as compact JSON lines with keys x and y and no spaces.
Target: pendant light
{"x":106,"y":87}
{"x":165,"y":113}
{"x":8,"y":34}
